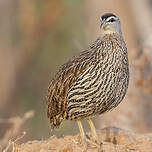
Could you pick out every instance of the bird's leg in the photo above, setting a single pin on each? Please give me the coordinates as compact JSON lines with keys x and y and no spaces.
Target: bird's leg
{"x":82,"y":134}
{"x":83,"y":137}
{"x":93,"y":130}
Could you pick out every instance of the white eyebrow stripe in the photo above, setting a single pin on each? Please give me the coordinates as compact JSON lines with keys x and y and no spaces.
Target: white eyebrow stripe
{"x":109,"y":18}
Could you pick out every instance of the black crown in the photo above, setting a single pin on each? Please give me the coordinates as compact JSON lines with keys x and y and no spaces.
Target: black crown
{"x":107,"y":15}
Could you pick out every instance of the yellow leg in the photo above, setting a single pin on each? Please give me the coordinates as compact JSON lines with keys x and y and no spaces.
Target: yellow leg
{"x":82,"y":134}
{"x":83,"y":137}
{"x":93,"y":130}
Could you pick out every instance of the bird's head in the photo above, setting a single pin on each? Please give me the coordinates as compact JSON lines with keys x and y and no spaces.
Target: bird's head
{"x":110,"y":23}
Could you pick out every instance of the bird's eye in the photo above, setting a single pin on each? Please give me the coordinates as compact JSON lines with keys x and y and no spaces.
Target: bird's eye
{"x":111,"y":20}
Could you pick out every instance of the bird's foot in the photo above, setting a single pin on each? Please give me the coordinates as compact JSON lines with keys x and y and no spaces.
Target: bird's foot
{"x":94,"y":143}
{"x":83,"y":142}
{"x":86,"y":142}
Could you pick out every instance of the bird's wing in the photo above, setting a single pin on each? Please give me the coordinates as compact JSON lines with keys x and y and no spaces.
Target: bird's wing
{"x":62,"y":82}
{"x":86,"y":88}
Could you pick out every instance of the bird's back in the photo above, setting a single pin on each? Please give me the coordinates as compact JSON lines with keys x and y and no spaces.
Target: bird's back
{"x":91,"y":83}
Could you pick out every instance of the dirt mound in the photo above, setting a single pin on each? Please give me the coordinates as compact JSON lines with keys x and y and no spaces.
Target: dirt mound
{"x":115,"y":140}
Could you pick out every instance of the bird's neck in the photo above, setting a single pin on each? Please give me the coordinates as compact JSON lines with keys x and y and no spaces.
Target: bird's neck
{"x":110,"y":32}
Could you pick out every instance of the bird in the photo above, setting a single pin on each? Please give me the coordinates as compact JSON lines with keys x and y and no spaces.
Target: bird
{"x":93,"y":82}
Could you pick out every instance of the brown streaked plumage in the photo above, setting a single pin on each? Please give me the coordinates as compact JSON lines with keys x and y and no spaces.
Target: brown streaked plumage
{"x":93,"y":82}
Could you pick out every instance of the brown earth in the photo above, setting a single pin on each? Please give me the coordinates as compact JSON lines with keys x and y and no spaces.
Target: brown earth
{"x":115,"y":140}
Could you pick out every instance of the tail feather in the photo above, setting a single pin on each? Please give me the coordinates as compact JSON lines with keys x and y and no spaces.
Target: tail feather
{"x":56,"y":121}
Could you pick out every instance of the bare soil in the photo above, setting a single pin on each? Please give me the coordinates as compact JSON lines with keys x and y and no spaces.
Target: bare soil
{"x":114,"y":140}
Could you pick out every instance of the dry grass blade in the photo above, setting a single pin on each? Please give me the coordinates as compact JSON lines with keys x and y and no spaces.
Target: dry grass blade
{"x":16,"y":123}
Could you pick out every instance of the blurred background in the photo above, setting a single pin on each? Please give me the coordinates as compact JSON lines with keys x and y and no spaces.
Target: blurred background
{"x":37,"y":37}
